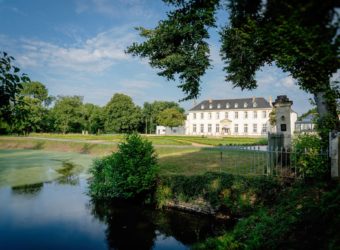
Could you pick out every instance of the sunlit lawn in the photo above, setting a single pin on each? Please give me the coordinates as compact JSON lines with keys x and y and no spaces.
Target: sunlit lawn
{"x":162,"y":140}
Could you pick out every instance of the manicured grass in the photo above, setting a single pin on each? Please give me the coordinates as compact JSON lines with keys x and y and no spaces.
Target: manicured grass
{"x":162,"y":140}
{"x":212,"y":160}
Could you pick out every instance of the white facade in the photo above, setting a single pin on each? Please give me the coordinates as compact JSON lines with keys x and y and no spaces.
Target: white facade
{"x":162,"y":130}
{"x":243,"y":117}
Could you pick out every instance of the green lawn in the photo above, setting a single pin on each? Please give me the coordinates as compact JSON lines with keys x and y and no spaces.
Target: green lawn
{"x":212,"y":160}
{"x":162,"y":140}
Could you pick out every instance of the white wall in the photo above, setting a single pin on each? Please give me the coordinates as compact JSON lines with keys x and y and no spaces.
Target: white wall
{"x":211,"y":117}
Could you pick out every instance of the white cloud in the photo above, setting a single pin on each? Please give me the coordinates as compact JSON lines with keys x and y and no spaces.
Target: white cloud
{"x":288,"y":82}
{"x":96,"y":54}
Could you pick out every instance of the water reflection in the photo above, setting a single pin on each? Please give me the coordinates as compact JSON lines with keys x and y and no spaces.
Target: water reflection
{"x":28,"y":190}
{"x":135,"y":227}
{"x":68,"y":174}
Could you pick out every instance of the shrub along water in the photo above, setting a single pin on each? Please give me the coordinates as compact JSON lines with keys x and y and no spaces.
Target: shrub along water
{"x":129,"y":173}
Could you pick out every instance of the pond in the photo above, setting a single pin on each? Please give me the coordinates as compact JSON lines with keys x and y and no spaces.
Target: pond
{"x":57,"y":214}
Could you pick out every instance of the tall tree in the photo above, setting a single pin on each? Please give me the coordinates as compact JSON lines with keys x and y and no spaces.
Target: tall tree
{"x":300,"y":37}
{"x":38,"y":91}
{"x":121,"y":114}
{"x":68,"y":113}
{"x":171,"y":118}
{"x":152,"y":110}
{"x":93,"y":118}
{"x":10,"y":87}
{"x":35,"y":103}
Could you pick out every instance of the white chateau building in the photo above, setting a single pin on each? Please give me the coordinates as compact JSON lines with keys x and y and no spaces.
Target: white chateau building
{"x":248,"y":116}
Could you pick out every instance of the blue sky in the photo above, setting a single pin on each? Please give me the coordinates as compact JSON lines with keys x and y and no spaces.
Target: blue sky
{"x":76,"y":47}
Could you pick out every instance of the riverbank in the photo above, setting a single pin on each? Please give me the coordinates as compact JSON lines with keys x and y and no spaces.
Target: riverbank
{"x":270,"y":213}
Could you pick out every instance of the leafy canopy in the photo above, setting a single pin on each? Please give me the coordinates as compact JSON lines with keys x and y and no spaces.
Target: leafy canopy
{"x":171,"y":118}
{"x":121,"y":114}
{"x":129,"y":173}
{"x":301,"y":37}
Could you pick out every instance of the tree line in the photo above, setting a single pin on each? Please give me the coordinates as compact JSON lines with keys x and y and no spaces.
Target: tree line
{"x":26,"y":106}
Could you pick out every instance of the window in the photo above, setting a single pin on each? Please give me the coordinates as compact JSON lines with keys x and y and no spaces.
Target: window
{"x":254,"y":128}
{"x":245,"y":105}
{"x":236,"y":105}
{"x":245,"y":114}
{"x":194,"y":128}
{"x":210,"y":106}
{"x":202,"y":115}
{"x":217,"y":115}
{"x":245,"y":128}
{"x":218,"y":106}
{"x":254,"y":104}
{"x":236,"y":115}
{"x":236,"y":128}
{"x":202,"y":106}
{"x":194,"y":114}
{"x":202,"y":128}
{"x":209,"y":115}
{"x":217,"y":128}
{"x":264,"y":128}
{"x":264,"y":114}
{"x":227,"y":105}
{"x":226,"y":115}
{"x":209,"y":128}
{"x":255,"y":114}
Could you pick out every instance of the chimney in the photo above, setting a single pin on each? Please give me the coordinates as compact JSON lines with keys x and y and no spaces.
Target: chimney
{"x":254,"y":99}
{"x":210,"y":100}
{"x":270,"y":101}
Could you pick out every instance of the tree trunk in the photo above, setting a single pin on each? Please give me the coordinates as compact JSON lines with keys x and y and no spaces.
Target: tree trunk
{"x":321,"y":104}
{"x":328,"y":119}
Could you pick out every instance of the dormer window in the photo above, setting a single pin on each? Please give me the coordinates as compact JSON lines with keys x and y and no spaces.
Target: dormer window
{"x":218,"y":106}
{"x":245,"y":105}
{"x":236,"y":105}
{"x":227,"y":105}
{"x":202,"y":106}
{"x":254,"y":104}
{"x":210,"y":106}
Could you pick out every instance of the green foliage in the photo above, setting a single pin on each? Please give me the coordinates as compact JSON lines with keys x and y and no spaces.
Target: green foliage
{"x":177,"y":46}
{"x":10,"y":87}
{"x":121,"y":114}
{"x":68,"y":114}
{"x":171,"y":118}
{"x":308,"y":157}
{"x":93,"y":118}
{"x":300,"y":37}
{"x":152,"y":110}
{"x":227,"y":193}
{"x":303,"y":217}
{"x":37,"y":90}
{"x":127,"y":174}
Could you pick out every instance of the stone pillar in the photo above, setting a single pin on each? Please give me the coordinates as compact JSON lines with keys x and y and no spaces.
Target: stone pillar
{"x":334,"y":148}
{"x":283,"y":107}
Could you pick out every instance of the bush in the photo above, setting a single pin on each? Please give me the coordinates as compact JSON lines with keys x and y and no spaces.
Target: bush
{"x":308,"y":157}
{"x":127,"y":174}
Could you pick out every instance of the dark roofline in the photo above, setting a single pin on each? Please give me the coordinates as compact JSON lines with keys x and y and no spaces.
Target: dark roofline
{"x":261,"y":103}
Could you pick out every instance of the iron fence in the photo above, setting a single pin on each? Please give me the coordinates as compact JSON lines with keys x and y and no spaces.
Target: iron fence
{"x":263,"y":160}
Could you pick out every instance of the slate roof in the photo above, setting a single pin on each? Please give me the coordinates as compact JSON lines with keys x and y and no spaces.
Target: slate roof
{"x":261,"y":103}
{"x":307,"y":120}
